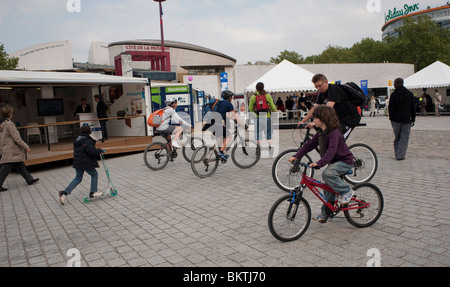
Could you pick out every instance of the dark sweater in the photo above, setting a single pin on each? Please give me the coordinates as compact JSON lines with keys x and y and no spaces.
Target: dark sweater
{"x":337,"y":149}
{"x":402,"y":107}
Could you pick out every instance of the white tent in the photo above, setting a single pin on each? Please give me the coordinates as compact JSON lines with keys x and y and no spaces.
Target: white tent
{"x":285,"y":77}
{"x":436,"y":75}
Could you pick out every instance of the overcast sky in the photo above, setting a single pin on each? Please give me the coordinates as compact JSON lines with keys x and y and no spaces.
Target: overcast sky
{"x":247,"y":30}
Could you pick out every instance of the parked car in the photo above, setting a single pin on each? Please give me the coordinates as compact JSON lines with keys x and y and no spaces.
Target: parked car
{"x":382,"y":100}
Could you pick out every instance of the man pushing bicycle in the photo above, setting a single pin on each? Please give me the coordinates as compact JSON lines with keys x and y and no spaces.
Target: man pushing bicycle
{"x":334,"y":96}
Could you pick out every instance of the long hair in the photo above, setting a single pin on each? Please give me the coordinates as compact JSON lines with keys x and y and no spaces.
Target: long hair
{"x":260,"y":88}
{"x":328,"y":116}
{"x":7,"y":111}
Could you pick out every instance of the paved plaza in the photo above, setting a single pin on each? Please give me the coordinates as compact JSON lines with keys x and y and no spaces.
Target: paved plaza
{"x":172,"y":218}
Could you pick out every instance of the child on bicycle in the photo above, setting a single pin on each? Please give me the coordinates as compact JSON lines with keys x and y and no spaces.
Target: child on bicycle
{"x":222,"y":130}
{"x":334,"y":152}
{"x":168,"y":128}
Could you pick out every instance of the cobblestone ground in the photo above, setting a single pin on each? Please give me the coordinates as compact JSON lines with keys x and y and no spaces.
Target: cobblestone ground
{"x":173,"y":218}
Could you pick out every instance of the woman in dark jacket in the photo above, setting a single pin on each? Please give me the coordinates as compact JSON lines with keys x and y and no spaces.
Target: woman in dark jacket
{"x":84,"y":160}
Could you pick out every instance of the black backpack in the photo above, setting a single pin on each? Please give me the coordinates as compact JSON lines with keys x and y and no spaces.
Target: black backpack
{"x":355,"y":95}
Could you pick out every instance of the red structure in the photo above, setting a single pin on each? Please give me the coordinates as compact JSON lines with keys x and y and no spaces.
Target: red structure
{"x":160,"y":61}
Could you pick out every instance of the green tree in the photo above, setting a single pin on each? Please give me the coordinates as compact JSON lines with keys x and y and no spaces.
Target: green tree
{"x":7,"y":63}
{"x":291,"y":56}
{"x":369,"y":51}
{"x":421,"y":42}
{"x":335,"y":54}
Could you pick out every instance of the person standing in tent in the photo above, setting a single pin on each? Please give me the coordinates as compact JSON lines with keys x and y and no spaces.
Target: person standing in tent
{"x":437,"y":102}
{"x":262,"y":105}
{"x":334,"y":96}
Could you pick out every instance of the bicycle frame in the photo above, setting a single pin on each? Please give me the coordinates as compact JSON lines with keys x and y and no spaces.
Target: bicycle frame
{"x":313,"y":185}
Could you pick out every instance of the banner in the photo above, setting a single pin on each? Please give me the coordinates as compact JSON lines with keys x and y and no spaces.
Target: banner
{"x":365,"y":86}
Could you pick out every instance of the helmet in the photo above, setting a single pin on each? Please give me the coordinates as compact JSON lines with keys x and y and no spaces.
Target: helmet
{"x":171,"y":102}
{"x":227,"y":94}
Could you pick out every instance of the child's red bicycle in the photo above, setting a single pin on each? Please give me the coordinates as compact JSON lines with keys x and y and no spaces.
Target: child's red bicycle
{"x":290,"y":216}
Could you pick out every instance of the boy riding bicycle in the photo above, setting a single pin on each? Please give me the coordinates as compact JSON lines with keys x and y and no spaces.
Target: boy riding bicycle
{"x":334,"y":152}
{"x":168,"y":128}
{"x":222,"y":130}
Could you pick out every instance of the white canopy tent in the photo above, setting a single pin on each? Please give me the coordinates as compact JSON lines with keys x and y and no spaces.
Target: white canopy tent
{"x":437,"y":75}
{"x":283,"y":78}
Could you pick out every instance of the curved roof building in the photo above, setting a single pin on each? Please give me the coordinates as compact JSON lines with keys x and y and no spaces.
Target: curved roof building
{"x":183,"y":56}
{"x":395,"y":17}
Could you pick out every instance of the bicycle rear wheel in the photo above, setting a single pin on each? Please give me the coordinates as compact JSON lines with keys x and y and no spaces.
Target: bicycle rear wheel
{"x":366,"y":194}
{"x":284,"y":174}
{"x":246,"y":154}
{"x":365,"y":165}
{"x":289,"y":219}
{"x":204,"y":162}
{"x":156,"y":156}
{"x":190,"y":146}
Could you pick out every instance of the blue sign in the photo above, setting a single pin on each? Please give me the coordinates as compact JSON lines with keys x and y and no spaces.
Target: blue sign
{"x":365,"y":86}
{"x":224,"y":81}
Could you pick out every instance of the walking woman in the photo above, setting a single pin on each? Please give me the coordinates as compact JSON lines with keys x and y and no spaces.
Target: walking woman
{"x":12,"y":149}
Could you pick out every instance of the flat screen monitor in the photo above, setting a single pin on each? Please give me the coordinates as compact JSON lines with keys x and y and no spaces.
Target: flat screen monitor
{"x":50,"y":107}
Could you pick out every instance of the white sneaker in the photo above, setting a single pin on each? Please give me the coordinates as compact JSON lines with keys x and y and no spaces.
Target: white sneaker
{"x":345,"y":198}
{"x":62,"y":197}
{"x":175,"y":144}
{"x":96,"y":194}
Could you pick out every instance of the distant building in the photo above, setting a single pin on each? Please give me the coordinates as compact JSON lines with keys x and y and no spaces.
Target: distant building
{"x":394,"y":17}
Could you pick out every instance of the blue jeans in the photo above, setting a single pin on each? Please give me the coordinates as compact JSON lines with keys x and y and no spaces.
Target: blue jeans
{"x":79,"y":177}
{"x":263,"y":124}
{"x":332,"y":177}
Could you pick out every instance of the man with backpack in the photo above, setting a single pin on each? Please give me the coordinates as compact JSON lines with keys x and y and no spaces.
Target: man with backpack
{"x":262,"y":105}
{"x":335,"y":96}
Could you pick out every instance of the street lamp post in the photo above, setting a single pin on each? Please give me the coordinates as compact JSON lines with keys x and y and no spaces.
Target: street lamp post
{"x":162,"y":27}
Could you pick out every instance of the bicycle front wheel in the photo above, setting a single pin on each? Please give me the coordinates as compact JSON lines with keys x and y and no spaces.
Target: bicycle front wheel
{"x":365,"y":164}
{"x":289,"y":219}
{"x":156,"y":156}
{"x":246,"y":154}
{"x":190,"y":146}
{"x":366,"y":205}
{"x":204,"y":162}
{"x":285,"y":175}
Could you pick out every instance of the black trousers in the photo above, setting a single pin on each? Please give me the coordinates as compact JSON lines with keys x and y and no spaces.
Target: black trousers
{"x":104,"y":129}
{"x":6,"y":169}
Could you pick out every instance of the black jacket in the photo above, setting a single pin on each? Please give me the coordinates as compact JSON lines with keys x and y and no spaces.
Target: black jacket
{"x":402,"y":106}
{"x":101,"y":109}
{"x":84,"y":153}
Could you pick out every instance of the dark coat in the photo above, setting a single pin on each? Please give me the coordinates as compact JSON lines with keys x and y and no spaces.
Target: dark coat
{"x":84,"y":153}
{"x":101,"y":109}
{"x":402,"y":107}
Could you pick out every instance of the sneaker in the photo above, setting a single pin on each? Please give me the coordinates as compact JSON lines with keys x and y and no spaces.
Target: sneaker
{"x":34,"y":180}
{"x":3,"y":189}
{"x":62,"y":197}
{"x":271,"y":151}
{"x":175,"y":144}
{"x":222,"y":155}
{"x":345,"y":198}
{"x":320,"y":218}
{"x":95,"y":194}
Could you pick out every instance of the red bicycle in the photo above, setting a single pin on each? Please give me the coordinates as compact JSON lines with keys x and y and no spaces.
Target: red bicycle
{"x":290,"y":216}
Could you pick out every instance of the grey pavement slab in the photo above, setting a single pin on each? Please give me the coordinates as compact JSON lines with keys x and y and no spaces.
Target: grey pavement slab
{"x":172,"y":218}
